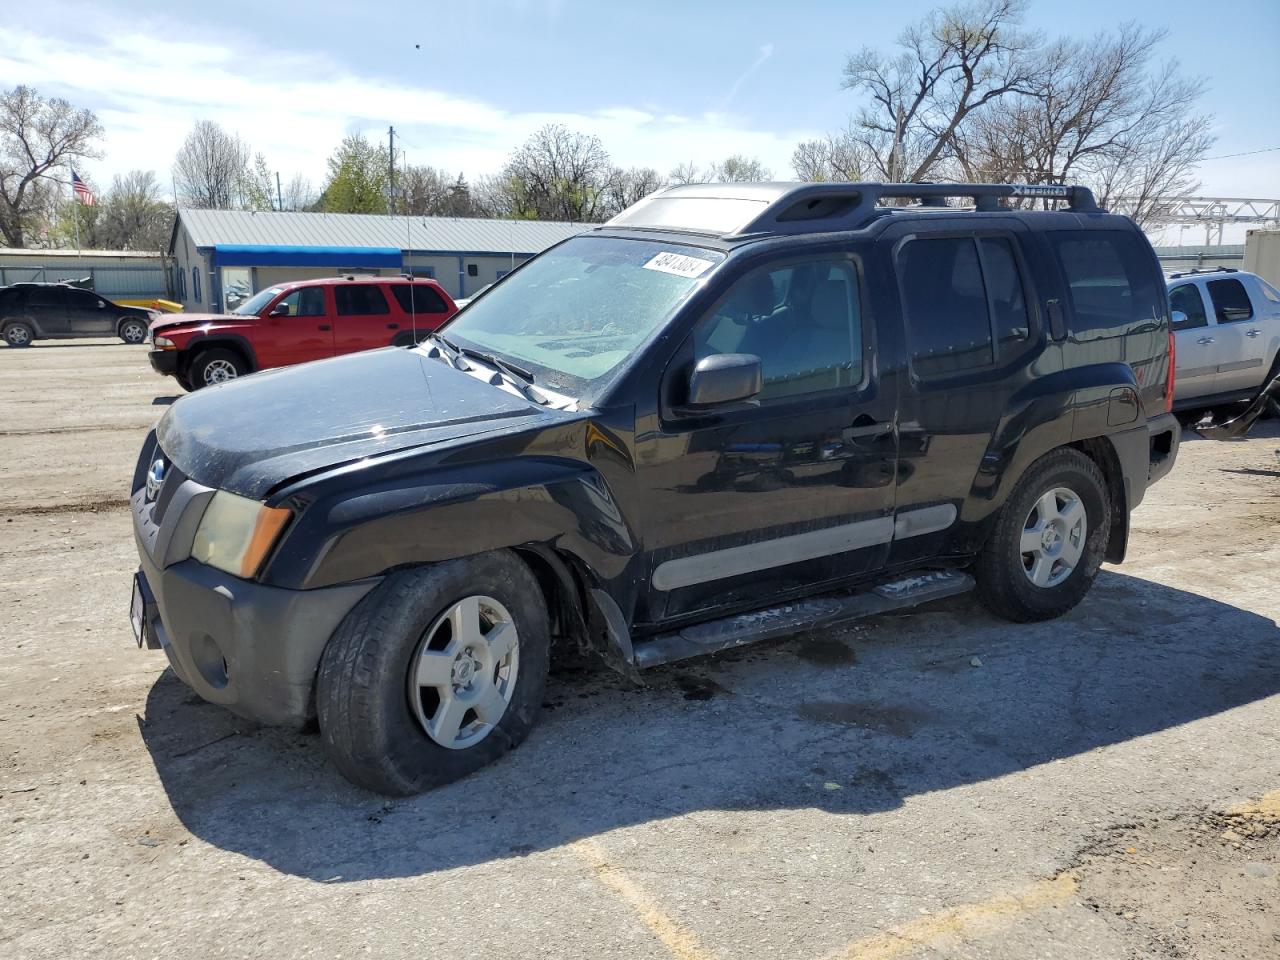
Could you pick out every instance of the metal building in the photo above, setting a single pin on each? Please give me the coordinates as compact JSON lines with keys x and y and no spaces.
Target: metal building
{"x":221,"y":257}
{"x":116,"y":274}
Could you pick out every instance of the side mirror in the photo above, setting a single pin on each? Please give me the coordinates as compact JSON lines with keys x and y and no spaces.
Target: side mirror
{"x":1177,"y":319}
{"x":725,"y":378}
{"x":279,"y":310}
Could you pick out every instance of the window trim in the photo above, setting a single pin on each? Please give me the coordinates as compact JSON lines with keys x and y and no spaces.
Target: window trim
{"x":1030,"y":295}
{"x":774,"y":406}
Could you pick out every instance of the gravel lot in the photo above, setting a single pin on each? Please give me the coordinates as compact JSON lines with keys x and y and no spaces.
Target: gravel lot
{"x":938,"y":784}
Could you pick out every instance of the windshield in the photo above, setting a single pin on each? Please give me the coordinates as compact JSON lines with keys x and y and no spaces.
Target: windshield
{"x":253,"y":306}
{"x":574,"y":314}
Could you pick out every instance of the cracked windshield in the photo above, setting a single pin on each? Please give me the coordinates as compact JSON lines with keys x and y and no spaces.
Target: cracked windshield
{"x":574,"y":314}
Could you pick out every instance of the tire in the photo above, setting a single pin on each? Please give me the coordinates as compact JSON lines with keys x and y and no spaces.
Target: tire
{"x":132,"y":331}
{"x":1005,"y":573}
{"x":217,"y":365}
{"x":19,"y":334}
{"x":374,"y":718}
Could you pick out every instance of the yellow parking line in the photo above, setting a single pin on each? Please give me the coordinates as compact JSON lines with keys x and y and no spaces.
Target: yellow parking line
{"x":974,"y":919}
{"x":680,"y":943}
{"x":1268,"y":806}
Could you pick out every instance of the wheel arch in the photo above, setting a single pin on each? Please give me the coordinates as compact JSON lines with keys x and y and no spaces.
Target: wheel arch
{"x":1102,"y":451}
{"x":228,"y":341}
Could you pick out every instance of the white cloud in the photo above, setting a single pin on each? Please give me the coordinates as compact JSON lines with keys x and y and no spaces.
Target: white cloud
{"x":766,"y":52}
{"x":294,"y":107}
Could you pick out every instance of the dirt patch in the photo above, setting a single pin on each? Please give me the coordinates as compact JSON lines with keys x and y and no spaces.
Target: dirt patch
{"x":826,"y":651}
{"x":1190,"y":885}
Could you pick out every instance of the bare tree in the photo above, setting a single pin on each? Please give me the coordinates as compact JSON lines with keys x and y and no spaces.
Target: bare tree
{"x":739,"y":169}
{"x":558,"y":174}
{"x":37,"y":135}
{"x":298,"y":194}
{"x":210,"y":168}
{"x":626,"y":187}
{"x":956,"y":61}
{"x":1099,"y":115}
{"x":135,"y":215}
{"x":686,"y":173}
{"x":832,"y":158}
{"x":422,"y":191}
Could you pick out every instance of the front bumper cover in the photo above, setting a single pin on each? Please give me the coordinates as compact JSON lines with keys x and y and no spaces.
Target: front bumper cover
{"x":164,"y":361}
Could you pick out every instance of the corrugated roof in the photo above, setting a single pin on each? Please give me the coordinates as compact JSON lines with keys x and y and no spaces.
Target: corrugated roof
{"x":209,"y":228}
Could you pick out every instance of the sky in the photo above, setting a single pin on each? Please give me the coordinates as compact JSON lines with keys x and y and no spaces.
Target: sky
{"x":660,"y":83}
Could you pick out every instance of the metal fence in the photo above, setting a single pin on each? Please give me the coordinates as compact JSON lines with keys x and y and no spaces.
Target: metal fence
{"x":133,"y":282}
{"x":1174,"y":259}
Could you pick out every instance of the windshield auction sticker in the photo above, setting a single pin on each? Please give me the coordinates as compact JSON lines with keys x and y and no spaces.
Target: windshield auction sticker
{"x":679,"y":264}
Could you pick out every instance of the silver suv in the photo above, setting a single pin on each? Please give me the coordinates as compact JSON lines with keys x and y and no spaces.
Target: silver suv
{"x":1227,"y":331}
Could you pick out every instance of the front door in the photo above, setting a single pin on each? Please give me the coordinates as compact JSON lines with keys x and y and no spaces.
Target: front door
{"x":1194,"y":341}
{"x":89,"y":315}
{"x":294,"y":329}
{"x":795,"y":489}
{"x":363,"y":317}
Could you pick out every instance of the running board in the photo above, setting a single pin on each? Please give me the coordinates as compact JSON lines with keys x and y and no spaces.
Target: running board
{"x":803,"y":615}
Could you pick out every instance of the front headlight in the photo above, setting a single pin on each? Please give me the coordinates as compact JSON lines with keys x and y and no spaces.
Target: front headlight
{"x":162,"y":343}
{"x":236,"y":533}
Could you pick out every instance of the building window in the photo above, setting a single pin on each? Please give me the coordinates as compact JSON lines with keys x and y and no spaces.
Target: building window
{"x":195,"y":284}
{"x":473,"y":270}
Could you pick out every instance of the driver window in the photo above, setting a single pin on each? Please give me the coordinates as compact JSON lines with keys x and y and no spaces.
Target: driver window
{"x":803,"y":321}
{"x":1186,"y":298}
{"x":304,"y":302}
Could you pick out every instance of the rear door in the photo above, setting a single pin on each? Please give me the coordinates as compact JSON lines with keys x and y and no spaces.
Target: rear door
{"x":89,"y":315}
{"x":422,"y":307}
{"x":1240,"y":344}
{"x":363,"y":318}
{"x":1197,"y":355}
{"x":48,"y":308}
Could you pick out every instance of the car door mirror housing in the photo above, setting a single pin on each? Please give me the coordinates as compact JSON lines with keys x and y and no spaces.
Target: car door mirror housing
{"x":725,"y":378}
{"x":279,"y":310}
{"x":1177,"y":319}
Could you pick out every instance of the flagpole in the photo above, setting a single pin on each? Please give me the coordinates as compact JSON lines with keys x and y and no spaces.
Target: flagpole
{"x":75,"y":212}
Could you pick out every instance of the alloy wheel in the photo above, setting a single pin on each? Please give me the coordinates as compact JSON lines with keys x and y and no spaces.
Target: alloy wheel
{"x":220,"y":371}
{"x":1053,"y":537}
{"x":463,"y":673}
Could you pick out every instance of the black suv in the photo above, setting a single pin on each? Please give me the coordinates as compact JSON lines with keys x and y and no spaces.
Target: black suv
{"x":731,"y":413}
{"x":40,"y":311}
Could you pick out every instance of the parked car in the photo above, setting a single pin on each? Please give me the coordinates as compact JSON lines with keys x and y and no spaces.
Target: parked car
{"x":295,"y":322}
{"x":1227,"y":328}
{"x":51,"y":311}
{"x":731,"y":413}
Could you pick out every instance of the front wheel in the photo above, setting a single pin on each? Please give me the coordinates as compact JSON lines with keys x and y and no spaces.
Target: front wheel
{"x":216,"y":366}
{"x":436,"y":673}
{"x":1049,"y":540}
{"x":133,"y":331}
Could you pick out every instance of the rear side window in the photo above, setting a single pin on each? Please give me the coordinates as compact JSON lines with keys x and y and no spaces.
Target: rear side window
{"x":948,"y":325}
{"x":418,"y":298}
{"x":45,"y":297}
{"x":1110,"y":279}
{"x":359,"y":299}
{"x":1230,"y":300}
{"x":1186,"y":298}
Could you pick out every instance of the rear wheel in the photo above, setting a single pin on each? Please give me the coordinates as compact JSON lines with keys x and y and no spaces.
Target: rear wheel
{"x":1048,"y":541}
{"x":18,"y":334}
{"x":437,"y":672}
{"x":133,"y":331}
{"x":217,"y":365}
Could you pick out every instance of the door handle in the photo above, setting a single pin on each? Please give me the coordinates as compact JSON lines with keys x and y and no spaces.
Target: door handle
{"x":393,"y":326}
{"x":863,"y":431}
{"x":324,"y":326}
{"x":1205,"y":340}
{"x":1252,"y":333}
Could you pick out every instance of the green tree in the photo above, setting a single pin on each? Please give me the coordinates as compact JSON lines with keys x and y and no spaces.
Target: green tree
{"x":358,"y":181}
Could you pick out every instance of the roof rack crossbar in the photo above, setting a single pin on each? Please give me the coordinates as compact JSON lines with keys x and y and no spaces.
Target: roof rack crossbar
{"x":863,"y":201}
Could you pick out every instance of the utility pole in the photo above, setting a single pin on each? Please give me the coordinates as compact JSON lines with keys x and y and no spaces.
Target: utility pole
{"x":391,"y":172}
{"x":279,"y":193}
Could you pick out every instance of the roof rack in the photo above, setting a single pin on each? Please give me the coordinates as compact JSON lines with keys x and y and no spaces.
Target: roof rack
{"x":740,"y":209}
{"x":1197,"y":270}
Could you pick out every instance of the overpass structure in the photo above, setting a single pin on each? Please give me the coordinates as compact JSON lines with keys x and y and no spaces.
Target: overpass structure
{"x":1213,"y":213}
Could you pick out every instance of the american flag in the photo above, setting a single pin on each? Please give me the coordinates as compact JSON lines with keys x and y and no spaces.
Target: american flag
{"x":83,"y":193}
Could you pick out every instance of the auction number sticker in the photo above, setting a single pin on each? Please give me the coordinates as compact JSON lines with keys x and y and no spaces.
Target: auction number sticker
{"x":679,"y":264}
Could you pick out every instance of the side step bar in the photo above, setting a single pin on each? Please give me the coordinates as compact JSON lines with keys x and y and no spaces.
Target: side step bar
{"x":803,"y":615}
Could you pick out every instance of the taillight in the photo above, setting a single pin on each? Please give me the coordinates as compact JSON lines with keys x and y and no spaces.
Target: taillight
{"x":1173,"y":365}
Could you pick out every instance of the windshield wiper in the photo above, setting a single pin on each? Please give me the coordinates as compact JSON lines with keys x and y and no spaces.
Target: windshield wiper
{"x":504,"y":365}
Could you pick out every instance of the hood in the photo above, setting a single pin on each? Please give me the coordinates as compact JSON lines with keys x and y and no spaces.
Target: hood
{"x":166,"y":320}
{"x":250,"y":435}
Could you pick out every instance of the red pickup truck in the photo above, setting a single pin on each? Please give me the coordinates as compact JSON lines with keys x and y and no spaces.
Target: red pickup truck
{"x":295,"y":322}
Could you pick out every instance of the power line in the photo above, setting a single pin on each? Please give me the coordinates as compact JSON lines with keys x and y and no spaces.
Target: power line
{"x":1247,"y":153}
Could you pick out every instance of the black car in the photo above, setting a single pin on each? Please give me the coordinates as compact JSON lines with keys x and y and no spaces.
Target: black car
{"x":731,"y":413}
{"x":48,"y":311}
